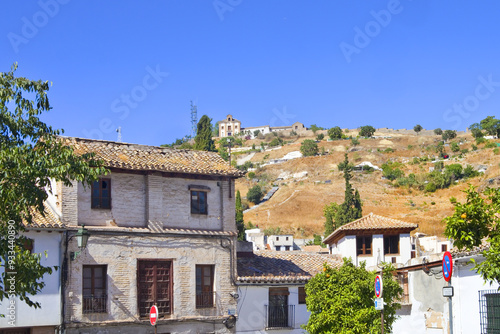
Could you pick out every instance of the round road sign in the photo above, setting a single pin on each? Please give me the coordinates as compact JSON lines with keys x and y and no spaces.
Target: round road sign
{"x":153,"y":315}
{"x":447,"y":266}
{"x":378,"y":286}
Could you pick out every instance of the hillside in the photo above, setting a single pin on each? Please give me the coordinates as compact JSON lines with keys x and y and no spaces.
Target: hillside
{"x":297,"y":207}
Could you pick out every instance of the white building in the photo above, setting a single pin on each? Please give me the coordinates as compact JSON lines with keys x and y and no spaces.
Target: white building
{"x":229,"y":127}
{"x":280,"y":242}
{"x":45,"y":235}
{"x":162,"y":231}
{"x":373,"y":239}
{"x":271,"y":295}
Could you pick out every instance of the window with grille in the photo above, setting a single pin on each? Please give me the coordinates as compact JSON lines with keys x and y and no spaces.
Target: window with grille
{"x":94,"y":289}
{"x":489,"y":311}
{"x":154,"y":285}
{"x":101,"y":194}
{"x":204,"y":286}
{"x":364,"y":245}
{"x":199,"y":202}
{"x":391,"y":244}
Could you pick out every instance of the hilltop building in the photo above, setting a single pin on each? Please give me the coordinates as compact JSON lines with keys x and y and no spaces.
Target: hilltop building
{"x":230,"y":126}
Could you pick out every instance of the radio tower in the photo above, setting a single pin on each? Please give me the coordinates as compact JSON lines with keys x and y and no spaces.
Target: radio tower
{"x":194,"y":119}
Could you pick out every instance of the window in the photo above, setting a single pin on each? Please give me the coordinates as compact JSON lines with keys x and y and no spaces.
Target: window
{"x":204,"y":286}
{"x":199,"y":202}
{"x":364,"y":245}
{"x":278,"y":248}
{"x":154,"y":286}
{"x":29,"y":244}
{"x":391,"y":244}
{"x":403,"y":283}
{"x":444,"y":248}
{"x":101,"y":194}
{"x":94,"y":289}
{"x":302,"y":295}
{"x":279,"y":313}
{"x":489,"y":311}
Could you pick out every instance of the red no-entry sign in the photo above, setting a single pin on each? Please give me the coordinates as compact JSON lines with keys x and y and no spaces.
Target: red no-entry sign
{"x":447,"y":266}
{"x":153,"y":315}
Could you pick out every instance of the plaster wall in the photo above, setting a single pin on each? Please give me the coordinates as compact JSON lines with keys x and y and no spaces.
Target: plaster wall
{"x":252,"y":309}
{"x":49,"y":298}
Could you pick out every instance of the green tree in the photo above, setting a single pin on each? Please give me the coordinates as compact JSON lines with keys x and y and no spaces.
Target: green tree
{"x":476,"y":130}
{"x":354,"y":141}
{"x":391,"y":171}
{"x":320,"y":137}
{"x":367,"y":131}
{"x":256,"y":133}
{"x":255,"y":194}
{"x":203,"y":140}
{"x":215,"y":129}
{"x":438,"y":131}
{"x":315,"y":128}
{"x":474,"y":222}
{"x":454,"y":147}
{"x":449,"y":134}
{"x":31,"y":154}
{"x":491,"y":125}
{"x":351,"y":209}
{"x":309,"y":148}
{"x":335,"y":133}
{"x":341,"y":300}
{"x":417,"y":128}
{"x":240,"y":225}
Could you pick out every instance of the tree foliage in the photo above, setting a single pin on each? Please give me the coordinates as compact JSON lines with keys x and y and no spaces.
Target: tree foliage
{"x":309,"y":148}
{"x":341,"y":300}
{"x":491,"y":125}
{"x":315,"y":128}
{"x":477,"y":221}
{"x":240,"y":225}
{"x":417,"y":128}
{"x":438,"y":131}
{"x":366,"y":131}
{"x":449,"y":134}
{"x":31,"y":154}
{"x":203,"y":140}
{"x":335,"y":133}
{"x":351,"y":209}
{"x":255,"y":194}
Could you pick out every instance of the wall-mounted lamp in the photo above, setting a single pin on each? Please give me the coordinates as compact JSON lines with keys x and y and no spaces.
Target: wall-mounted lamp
{"x":235,"y":295}
{"x":82,"y":236}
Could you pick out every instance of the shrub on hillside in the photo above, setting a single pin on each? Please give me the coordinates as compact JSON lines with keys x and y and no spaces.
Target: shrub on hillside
{"x":255,"y":194}
{"x":391,"y":171}
{"x":335,"y":133}
{"x":309,"y":148}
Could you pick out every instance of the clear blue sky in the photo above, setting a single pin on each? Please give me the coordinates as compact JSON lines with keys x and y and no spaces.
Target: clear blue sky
{"x":138,"y":64}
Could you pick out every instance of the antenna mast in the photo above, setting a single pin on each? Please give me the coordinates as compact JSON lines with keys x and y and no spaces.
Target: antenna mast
{"x":119,"y":130}
{"x":194,"y":119}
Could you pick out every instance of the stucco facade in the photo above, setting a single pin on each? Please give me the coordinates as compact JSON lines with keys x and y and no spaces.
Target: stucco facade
{"x":229,"y":127}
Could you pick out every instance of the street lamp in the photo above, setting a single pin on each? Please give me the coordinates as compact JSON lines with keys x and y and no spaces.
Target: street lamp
{"x":229,"y":143}
{"x":82,"y":236}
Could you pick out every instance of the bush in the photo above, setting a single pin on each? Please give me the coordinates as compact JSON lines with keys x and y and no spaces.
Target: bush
{"x":480,"y":140}
{"x":470,"y":172}
{"x":367,"y":131}
{"x":354,"y":141}
{"x":309,"y":148}
{"x":335,"y":133}
{"x":439,"y":165}
{"x":251,"y":175}
{"x":255,"y":194}
{"x":455,"y":170}
{"x":430,"y":188}
{"x":474,"y":147}
{"x":449,"y":134}
{"x":388,"y":150}
{"x":276,"y":142}
{"x":438,"y":131}
{"x":454,"y":147}
{"x":496,"y":150}
{"x":465,"y":151}
{"x":391,"y":171}
{"x":490,"y":144}
{"x":320,"y":137}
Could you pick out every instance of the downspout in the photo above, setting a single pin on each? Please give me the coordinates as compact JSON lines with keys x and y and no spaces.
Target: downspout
{"x":64,"y":278}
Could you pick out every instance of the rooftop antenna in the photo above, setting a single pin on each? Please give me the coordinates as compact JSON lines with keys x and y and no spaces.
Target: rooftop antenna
{"x":194,"y":119}
{"x":119,"y":130}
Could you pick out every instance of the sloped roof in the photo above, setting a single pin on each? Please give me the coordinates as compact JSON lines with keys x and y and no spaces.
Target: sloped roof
{"x":285,"y":266}
{"x":370,"y":222}
{"x":153,"y":158}
{"x":50,"y":220}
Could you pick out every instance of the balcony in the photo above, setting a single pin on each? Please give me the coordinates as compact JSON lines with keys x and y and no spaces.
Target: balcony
{"x":94,"y":304}
{"x":279,"y":317}
{"x":205,"y":299}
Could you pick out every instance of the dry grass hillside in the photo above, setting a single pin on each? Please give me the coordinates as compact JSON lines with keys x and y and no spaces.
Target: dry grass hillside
{"x":297,"y":207}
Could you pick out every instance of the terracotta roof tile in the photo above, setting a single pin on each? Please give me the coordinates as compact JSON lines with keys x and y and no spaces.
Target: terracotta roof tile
{"x":49,"y":220}
{"x":153,"y":158}
{"x":286,"y":266}
{"x":372,"y":222}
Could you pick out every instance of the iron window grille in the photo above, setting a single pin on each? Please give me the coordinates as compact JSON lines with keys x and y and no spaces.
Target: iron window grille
{"x":489,"y":311}
{"x":94,"y":289}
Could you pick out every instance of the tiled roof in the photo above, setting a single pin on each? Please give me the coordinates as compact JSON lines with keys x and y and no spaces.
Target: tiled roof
{"x":155,"y":229}
{"x":153,"y":158}
{"x":372,"y":222}
{"x":285,"y":266}
{"x":49,"y":220}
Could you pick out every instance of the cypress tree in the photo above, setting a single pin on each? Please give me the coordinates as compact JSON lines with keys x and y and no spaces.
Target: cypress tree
{"x":240,"y":225}
{"x":203,"y":140}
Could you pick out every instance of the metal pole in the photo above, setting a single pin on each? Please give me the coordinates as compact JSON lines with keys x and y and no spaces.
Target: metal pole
{"x":450,"y":310}
{"x":155,"y":328}
{"x":382,"y":321}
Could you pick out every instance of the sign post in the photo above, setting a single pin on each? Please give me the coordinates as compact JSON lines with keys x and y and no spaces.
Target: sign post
{"x":447,"y":271}
{"x":379,"y":304}
{"x":153,"y":316}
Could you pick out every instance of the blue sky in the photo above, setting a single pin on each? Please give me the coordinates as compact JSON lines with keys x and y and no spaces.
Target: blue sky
{"x":138,"y":64}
